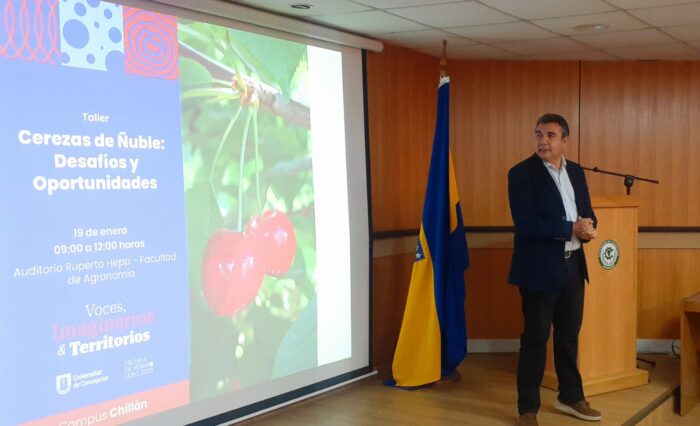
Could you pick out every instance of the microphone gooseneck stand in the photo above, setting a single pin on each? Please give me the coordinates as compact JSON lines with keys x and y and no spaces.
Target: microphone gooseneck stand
{"x":629,"y":179}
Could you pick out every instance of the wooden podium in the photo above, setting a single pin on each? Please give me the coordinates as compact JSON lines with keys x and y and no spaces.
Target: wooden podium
{"x":690,"y":354}
{"x":608,"y":341}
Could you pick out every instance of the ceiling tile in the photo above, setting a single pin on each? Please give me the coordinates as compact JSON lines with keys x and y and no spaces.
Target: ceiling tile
{"x":588,"y":55}
{"x":637,"y":4}
{"x":370,"y":22}
{"x":684,"y":32}
{"x":497,"y":29}
{"x":536,"y":47}
{"x":670,"y":15}
{"x":616,"y":21}
{"x":320,"y":7}
{"x":389,"y":4}
{"x":453,"y":14}
{"x":696,"y":45}
{"x":625,"y":38}
{"x":509,"y":31}
{"x":659,"y":51}
{"x":481,"y":51}
{"x":534,"y":9}
{"x":424,"y":39}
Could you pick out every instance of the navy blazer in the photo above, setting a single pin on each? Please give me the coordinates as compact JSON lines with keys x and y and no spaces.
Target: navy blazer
{"x":541,"y":228}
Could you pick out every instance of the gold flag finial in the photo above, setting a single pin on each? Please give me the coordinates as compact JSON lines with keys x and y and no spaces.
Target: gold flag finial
{"x":443,"y":59}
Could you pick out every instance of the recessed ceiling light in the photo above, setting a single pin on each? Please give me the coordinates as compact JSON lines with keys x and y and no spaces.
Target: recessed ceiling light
{"x":591,"y":28}
{"x":302,"y":6}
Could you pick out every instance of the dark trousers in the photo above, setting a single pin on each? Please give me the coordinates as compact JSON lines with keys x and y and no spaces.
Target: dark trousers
{"x":564,"y":310}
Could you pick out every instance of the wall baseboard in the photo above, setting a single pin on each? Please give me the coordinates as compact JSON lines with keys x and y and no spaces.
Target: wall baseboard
{"x":478,"y":346}
{"x":648,"y":346}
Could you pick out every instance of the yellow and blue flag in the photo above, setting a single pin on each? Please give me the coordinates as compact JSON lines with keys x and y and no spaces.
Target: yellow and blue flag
{"x":433,"y":337}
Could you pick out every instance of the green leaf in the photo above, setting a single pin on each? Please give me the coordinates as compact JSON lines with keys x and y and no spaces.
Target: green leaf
{"x":210,"y":369}
{"x":191,"y":30}
{"x":298,"y":350}
{"x":275,"y":201}
{"x":274,"y":61}
{"x":299,"y":90}
{"x":192,"y":159}
{"x":192,"y":72}
{"x":306,"y":243}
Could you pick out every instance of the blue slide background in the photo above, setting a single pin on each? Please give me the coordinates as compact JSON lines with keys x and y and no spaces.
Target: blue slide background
{"x":52,"y":98}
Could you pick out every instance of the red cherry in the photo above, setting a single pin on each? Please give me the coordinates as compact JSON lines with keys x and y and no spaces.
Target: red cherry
{"x":231,"y":272}
{"x":278,"y":243}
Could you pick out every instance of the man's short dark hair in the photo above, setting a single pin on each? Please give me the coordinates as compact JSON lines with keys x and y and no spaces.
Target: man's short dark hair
{"x":555,"y":118}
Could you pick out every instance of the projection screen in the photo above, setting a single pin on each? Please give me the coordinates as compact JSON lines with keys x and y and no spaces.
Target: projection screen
{"x":184,"y":215}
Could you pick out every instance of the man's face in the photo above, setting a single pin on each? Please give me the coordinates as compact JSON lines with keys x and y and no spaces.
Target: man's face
{"x":550,"y":143}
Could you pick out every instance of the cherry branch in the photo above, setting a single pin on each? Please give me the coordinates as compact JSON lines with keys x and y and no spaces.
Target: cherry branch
{"x":271,"y":99}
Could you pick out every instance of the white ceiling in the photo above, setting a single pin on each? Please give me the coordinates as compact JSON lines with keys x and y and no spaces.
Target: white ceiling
{"x":515,"y":29}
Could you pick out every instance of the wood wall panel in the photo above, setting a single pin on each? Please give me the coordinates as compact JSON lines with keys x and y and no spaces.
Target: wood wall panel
{"x":693,"y":179}
{"x":494,"y":107}
{"x":637,"y":117}
{"x":401,"y":103}
{"x":666,"y":277}
{"x":492,"y":305}
{"x":641,"y":118}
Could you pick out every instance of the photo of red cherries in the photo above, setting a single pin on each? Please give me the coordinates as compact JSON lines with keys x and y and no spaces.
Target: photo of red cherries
{"x":234,"y":263}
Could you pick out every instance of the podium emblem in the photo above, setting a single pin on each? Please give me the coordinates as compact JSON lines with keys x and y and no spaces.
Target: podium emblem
{"x":609,"y":254}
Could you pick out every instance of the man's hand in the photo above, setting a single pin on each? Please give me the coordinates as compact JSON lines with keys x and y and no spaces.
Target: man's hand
{"x":584,"y":230}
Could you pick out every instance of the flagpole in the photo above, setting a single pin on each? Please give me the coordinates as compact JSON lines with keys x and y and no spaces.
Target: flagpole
{"x":443,"y":60}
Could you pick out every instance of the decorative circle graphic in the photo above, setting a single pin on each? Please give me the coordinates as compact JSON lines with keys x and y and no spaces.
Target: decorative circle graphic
{"x":115,"y":35}
{"x":80,"y":9}
{"x":608,"y":254}
{"x":76,"y":34}
{"x":90,"y":31}
{"x":114,"y":61}
{"x":150,"y":44}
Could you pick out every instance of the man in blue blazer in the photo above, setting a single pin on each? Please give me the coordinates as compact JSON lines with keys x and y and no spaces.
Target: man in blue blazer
{"x":552,"y":213}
